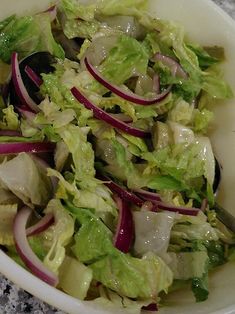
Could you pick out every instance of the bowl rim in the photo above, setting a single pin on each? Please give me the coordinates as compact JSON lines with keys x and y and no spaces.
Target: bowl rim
{"x":14,"y":272}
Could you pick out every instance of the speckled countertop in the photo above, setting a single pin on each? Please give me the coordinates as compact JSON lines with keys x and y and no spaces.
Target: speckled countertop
{"x":14,"y":300}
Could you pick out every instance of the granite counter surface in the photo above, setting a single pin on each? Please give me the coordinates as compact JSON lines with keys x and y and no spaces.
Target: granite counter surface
{"x":14,"y":300}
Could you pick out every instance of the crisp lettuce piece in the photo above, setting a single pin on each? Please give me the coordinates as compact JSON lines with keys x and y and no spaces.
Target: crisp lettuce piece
{"x":206,"y":154}
{"x":53,"y":115}
{"x":93,"y":240}
{"x":124,"y":167}
{"x":214,"y":84}
{"x":193,"y":228}
{"x":188,"y":265}
{"x":81,"y":29}
{"x":58,"y":235}
{"x":204,"y":58}
{"x":57,"y":86}
{"x":61,"y":155}
{"x":10,"y":119}
{"x":98,"y":198}
{"x":137,"y":146}
{"x":182,"y":112}
{"x":26,"y":35}
{"x":74,"y":9}
{"x":152,"y":232}
{"x":165,"y":182}
{"x":74,"y":278}
{"x":131,"y":56}
{"x":202,"y":120}
{"x":182,"y":135}
{"x":120,"y":272}
{"x":132,"y":277}
{"x":114,"y":302}
{"x":38,"y":247}
{"x":5,"y":22}
{"x":200,"y":288}
{"x":180,"y":162}
{"x":216,"y":253}
{"x":82,"y":154}
{"x":7,"y":213}
{"x":26,"y":179}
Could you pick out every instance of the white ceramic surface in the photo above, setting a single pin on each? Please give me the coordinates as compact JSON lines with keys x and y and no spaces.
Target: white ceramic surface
{"x":207,"y":24}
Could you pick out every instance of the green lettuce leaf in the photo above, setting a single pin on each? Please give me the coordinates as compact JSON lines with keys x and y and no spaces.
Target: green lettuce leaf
{"x":204,"y":58}
{"x":74,"y":278}
{"x":188,"y":265}
{"x":58,"y":235}
{"x":26,"y":35}
{"x":81,"y":29}
{"x":120,"y":272}
{"x":114,"y":302}
{"x":179,"y":162}
{"x":7,"y":213}
{"x":131,"y":56}
{"x":135,"y":278}
{"x":82,"y":154}
{"x":25,"y":178}
{"x":200,"y":288}
{"x":10,"y":119}
{"x":98,"y":198}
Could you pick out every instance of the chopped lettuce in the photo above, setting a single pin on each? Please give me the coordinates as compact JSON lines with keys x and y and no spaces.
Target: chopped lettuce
{"x":7,"y":213}
{"x":82,"y":154}
{"x":74,"y":278}
{"x":10,"y":119}
{"x":114,"y":302}
{"x":26,"y":179}
{"x":58,"y":235}
{"x":200,"y":288}
{"x":26,"y":35}
{"x":180,"y":162}
{"x":135,"y":278}
{"x":120,"y":272}
{"x":152,"y":232}
{"x":188,"y":265}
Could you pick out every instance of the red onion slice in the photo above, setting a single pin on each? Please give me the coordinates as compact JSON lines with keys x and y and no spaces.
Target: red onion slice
{"x":123,"y":94}
{"x":19,"y":85}
{"x":25,"y":251}
{"x":151,"y":307}
{"x":106,"y":117}
{"x":121,"y":192}
{"x":16,"y":148}
{"x":41,"y":226}
{"x":10,"y":133}
{"x":146,"y":195}
{"x":191,"y":211}
{"x":125,"y":227}
{"x":176,"y":68}
{"x":33,"y":76}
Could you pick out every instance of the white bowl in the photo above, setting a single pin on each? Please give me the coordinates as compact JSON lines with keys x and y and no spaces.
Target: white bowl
{"x":209,"y":25}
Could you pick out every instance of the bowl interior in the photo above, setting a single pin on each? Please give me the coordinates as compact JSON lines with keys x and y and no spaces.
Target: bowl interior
{"x":208,"y":25}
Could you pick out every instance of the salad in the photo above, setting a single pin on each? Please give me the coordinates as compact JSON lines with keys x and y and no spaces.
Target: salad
{"x":107,"y":173}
